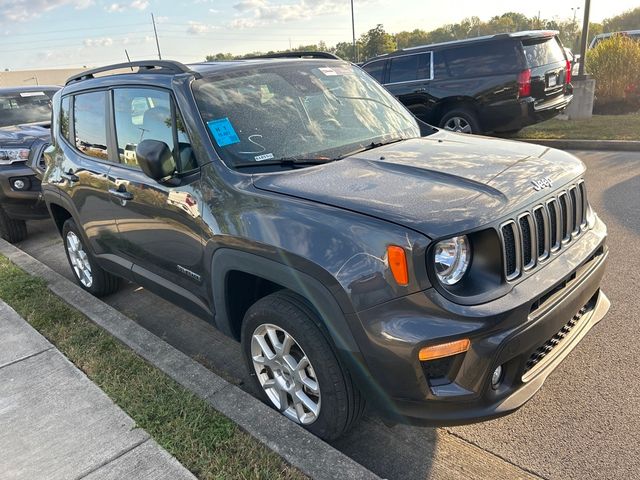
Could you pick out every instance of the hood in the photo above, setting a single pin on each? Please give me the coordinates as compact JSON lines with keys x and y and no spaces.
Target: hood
{"x":438,"y":185}
{"x":24,"y":135}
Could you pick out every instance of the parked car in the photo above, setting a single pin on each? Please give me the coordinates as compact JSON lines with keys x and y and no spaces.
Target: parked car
{"x":25,"y":116}
{"x":497,"y":83}
{"x":634,"y":34}
{"x":355,"y":252}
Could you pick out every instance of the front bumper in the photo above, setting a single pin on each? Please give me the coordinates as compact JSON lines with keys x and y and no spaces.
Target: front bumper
{"x":22,"y":205}
{"x":528,"y":332}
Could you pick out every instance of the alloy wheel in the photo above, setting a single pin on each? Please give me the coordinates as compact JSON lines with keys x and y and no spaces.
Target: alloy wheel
{"x":458,"y":124}
{"x":79,"y":260}
{"x":285,"y":373}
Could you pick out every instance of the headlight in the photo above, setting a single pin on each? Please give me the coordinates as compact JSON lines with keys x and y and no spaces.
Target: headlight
{"x":452,"y":258}
{"x":10,"y":155}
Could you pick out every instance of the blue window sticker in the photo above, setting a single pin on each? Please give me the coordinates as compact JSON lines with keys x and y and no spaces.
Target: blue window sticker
{"x":223,"y":132}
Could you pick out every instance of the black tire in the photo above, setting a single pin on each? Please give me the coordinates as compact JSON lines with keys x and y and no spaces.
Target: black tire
{"x":12,"y":230}
{"x":341,"y":404}
{"x":103,"y":283}
{"x":466,"y":116}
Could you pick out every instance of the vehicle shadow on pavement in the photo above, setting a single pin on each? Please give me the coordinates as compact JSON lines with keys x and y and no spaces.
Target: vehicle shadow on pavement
{"x":615,"y":201}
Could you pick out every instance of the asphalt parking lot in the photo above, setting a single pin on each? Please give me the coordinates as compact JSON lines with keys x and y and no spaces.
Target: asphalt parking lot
{"x":583,"y":424}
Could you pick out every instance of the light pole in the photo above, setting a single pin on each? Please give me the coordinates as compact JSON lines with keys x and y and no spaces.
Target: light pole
{"x":575,"y":12}
{"x":585,"y":36}
{"x":353,"y":31}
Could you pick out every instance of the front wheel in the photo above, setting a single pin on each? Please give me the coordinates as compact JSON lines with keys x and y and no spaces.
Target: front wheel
{"x":91,"y":277}
{"x":295,"y":367}
{"x":12,"y":230}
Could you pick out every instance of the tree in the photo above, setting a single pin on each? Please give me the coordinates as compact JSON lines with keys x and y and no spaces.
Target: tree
{"x":376,"y":42}
{"x":628,"y":20}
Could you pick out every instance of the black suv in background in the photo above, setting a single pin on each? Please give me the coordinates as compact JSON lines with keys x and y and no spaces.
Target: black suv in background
{"x":498,"y":83}
{"x":355,"y":252}
{"x":25,"y":117}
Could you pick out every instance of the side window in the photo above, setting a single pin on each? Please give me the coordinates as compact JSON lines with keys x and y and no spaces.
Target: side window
{"x":145,"y":114}
{"x":65,"y":107}
{"x":410,"y":67}
{"x":376,"y":70}
{"x":89,"y":116}
{"x":489,"y":58}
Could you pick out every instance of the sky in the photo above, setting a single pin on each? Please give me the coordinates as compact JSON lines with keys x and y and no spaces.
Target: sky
{"x":76,"y":33}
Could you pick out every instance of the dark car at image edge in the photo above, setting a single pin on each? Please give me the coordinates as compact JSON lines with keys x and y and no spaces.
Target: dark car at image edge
{"x":25,"y":117}
{"x":497,"y":83}
{"x":358,"y":255}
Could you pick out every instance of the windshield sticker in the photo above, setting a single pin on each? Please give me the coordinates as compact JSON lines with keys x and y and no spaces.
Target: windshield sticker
{"x":330,"y":72}
{"x":266,"y":156}
{"x":32,"y":94}
{"x":223,"y":132}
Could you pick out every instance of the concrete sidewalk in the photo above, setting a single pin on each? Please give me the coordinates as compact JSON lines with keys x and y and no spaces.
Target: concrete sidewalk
{"x":56,"y":424}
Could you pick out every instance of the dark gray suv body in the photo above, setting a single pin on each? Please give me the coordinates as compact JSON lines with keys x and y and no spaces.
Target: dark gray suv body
{"x":25,"y":116}
{"x":356,"y":253}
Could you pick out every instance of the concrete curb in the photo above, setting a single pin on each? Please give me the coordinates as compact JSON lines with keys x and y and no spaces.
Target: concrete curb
{"x":298,"y":447}
{"x":569,"y":144}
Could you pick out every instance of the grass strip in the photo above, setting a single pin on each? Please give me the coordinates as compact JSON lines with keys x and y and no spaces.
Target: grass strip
{"x":598,"y":127}
{"x":206,"y":442}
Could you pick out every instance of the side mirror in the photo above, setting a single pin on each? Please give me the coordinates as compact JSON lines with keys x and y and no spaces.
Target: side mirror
{"x":155,"y":159}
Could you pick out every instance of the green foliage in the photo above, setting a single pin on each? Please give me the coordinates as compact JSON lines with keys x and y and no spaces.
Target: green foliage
{"x":615,"y":64}
{"x":629,"y":20}
{"x":376,"y":41}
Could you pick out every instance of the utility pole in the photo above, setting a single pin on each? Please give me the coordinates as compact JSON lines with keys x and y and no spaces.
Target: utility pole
{"x":585,"y":36}
{"x":155,"y":32}
{"x":353,"y":31}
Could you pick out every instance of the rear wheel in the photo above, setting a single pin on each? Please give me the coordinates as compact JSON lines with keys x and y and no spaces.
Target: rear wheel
{"x":12,"y":230}
{"x":295,"y":367}
{"x":460,"y":120}
{"x":89,"y":275}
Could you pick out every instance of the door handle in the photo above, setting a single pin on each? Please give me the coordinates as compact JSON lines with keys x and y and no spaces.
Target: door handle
{"x":70,"y":177}
{"x":121,"y":194}
{"x":420,"y":90}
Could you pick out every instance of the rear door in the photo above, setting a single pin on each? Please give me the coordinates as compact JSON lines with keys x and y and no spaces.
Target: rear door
{"x":548,"y":63}
{"x":158,"y":224}
{"x":408,"y":78}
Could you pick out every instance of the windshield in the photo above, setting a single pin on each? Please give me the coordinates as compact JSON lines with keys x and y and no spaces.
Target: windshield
{"x":25,"y":107}
{"x":307,"y":110}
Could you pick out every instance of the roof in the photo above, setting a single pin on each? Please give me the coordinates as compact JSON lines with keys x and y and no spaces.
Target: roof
{"x":609,"y":34}
{"x":30,"y":88}
{"x":484,"y":38}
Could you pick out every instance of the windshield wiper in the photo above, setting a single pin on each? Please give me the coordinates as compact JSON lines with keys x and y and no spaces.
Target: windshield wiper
{"x":370,"y":146}
{"x":286,"y":161}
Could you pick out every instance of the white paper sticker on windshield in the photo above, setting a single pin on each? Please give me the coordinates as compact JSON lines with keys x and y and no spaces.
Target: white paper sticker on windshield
{"x":266,"y":156}
{"x":31,"y":94}
{"x":328,"y":71}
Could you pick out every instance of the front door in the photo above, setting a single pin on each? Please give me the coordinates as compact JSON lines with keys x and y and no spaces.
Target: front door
{"x":159,"y":224}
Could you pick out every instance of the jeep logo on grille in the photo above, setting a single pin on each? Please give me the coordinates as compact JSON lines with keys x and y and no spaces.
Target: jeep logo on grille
{"x":541,"y":183}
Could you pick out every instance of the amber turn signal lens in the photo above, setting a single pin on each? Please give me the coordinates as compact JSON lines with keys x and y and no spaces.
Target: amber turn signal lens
{"x":398,"y":264}
{"x":444,"y":350}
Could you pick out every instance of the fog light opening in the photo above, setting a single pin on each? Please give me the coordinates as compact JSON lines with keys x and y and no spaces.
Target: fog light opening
{"x":496,"y":377}
{"x":20,"y":184}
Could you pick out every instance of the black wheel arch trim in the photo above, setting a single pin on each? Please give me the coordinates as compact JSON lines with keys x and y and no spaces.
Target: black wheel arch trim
{"x":226,"y":260}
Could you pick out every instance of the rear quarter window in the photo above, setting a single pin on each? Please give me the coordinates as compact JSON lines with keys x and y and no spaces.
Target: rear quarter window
{"x":481,"y":59}
{"x":540,"y":52}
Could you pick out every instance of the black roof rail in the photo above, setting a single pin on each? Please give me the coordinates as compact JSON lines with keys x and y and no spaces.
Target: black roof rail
{"x":157,"y":66}
{"x":310,"y":54}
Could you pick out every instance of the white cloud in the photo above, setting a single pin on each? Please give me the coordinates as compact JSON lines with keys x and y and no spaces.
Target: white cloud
{"x":261,"y":12}
{"x":139,"y":4}
{"x":23,"y":10}
{"x":197,"y":28}
{"x":115,"y":8}
{"x":98,"y":42}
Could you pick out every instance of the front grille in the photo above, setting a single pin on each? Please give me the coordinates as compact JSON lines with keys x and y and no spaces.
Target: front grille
{"x":547,"y":347}
{"x":537,"y":233}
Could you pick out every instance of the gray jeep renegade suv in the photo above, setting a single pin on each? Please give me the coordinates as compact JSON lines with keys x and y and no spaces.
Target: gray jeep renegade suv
{"x":356,"y":253}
